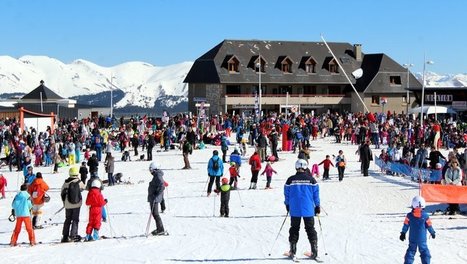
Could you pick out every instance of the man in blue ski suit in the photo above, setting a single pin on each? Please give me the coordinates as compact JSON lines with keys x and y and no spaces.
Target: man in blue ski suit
{"x":301,"y":193}
{"x":418,"y":222}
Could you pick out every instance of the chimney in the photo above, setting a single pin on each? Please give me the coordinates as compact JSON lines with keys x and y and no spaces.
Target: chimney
{"x":357,"y":51}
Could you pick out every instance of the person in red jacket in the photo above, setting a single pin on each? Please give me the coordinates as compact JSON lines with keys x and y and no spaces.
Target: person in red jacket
{"x":327,"y":163}
{"x":96,"y":201}
{"x":255,"y":163}
{"x":3,"y":184}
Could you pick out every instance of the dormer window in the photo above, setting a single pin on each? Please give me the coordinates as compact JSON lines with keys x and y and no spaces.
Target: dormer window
{"x":333,"y":67}
{"x":259,"y":64}
{"x":232,"y":64}
{"x":286,"y":64}
{"x":310,"y":65}
{"x":395,"y":81}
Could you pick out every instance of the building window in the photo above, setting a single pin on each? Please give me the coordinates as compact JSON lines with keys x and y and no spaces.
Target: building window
{"x":286,"y":65}
{"x":395,"y":80}
{"x":375,"y":100}
{"x":334,"y":90}
{"x":309,"y":89}
{"x":231,"y":63}
{"x":259,"y":64}
{"x":233,"y":89}
{"x":285,"y":89}
{"x":333,"y":67}
{"x":310,"y":65}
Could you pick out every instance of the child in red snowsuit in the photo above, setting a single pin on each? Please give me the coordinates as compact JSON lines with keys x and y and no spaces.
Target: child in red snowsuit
{"x":233,"y":175}
{"x":96,"y":202}
{"x":269,"y":171}
{"x":3,"y":183}
{"x":327,"y":163}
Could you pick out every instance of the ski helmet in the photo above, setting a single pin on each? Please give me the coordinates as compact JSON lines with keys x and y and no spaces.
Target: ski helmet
{"x":96,"y":183}
{"x":73,"y":171}
{"x":438,"y":166}
{"x":418,"y":202}
{"x":153,"y":166}
{"x":225,"y":181}
{"x":301,"y":164}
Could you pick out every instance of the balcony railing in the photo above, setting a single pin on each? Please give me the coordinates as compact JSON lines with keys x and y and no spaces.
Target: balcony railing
{"x":284,"y":95}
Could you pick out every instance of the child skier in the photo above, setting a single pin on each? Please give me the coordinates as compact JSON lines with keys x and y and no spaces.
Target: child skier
{"x":83,"y":171}
{"x":327,"y":163}
{"x":269,"y":171}
{"x":341,"y":161}
{"x":3,"y":184}
{"x":96,"y":202}
{"x":233,"y":175}
{"x":419,"y":222}
{"x":22,"y":210}
{"x":225,"y":197}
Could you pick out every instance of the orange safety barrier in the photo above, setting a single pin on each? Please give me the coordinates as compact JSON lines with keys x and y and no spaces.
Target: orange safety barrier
{"x":444,"y":193}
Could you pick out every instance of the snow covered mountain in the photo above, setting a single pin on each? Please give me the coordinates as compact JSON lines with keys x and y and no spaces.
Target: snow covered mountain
{"x":135,"y":84}
{"x":449,"y":80}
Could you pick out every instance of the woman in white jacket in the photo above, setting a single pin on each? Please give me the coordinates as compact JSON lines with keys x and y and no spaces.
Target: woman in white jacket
{"x":453,"y":176}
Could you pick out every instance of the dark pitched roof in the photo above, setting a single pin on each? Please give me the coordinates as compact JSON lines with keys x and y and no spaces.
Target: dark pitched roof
{"x":377,"y":71}
{"x":208,"y":68}
{"x":47,"y":94}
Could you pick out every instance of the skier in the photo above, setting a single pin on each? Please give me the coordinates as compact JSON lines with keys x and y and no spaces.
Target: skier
{"x":341,"y":161}
{"x":418,"y":222}
{"x":327,"y":163}
{"x":155,"y":196}
{"x":96,"y":202}
{"x":71,"y":188}
{"x":302,"y":200}
{"x":215,"y":171}
{"x":22,"y":210}
{"x":233,"y":175}
{"x":269,"y":171}
{"x":255,"y":163}
{"x":225,"y":197}
{"x":37,"y":191}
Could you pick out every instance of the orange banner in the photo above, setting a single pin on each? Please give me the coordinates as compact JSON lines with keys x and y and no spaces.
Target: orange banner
{"x":444,"y":193}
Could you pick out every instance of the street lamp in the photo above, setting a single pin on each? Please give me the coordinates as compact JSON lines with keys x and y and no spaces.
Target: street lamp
{"x":425,"y":62}
{"x":111,"y":96}
{"x":258,"y":66}
{"x":407,"y":66}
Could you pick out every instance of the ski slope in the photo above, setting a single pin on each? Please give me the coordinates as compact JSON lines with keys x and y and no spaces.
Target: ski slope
{"x":361,"y":217}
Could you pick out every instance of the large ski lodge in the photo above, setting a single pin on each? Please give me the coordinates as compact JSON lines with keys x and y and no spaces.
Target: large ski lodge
{"x":298,"y":76}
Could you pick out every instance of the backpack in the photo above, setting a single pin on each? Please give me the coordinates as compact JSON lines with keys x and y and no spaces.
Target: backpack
{"x":215,"y":164}
{"x":73,"y":193}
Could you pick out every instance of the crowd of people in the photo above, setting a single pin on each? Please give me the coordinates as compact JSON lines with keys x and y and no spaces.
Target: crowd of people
{"x":400,"y":138}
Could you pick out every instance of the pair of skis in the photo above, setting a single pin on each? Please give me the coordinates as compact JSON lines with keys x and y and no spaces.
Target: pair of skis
{"x":307,"y":254}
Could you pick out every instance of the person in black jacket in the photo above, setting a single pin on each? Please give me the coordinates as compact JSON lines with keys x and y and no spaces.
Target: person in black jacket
{"x":434,"y":157}
{"x":187,"y":149}
{"x":262,"y":145}
{"x":151,"y":143}
{"x":83,"y":171}
{"x":273,"y":138}
{"x":191,"y":137}
{"x":365,"y":157}
{"x":93,"y":164}
{"x":155,"y":196}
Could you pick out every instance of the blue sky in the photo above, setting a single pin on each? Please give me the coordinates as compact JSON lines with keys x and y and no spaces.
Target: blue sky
{"x":164,"y":32}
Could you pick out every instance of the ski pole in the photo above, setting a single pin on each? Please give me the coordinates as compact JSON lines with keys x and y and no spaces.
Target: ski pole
{"x":322,"y":235}
{"x":149,"y":219}
{"x":112,"y":231}
{"x":278,"y":233}
{"x":240,"y":197}
{"x":205,"y":186}
{"x":214,"y":208}
{"x":324,"y":210}
{"x":58,"y":211}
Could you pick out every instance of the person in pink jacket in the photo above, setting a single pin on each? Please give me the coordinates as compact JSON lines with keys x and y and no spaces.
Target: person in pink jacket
{"x":269,"y":171}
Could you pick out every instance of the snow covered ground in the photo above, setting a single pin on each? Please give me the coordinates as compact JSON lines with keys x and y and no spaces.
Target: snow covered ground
{"x":361,"y":218}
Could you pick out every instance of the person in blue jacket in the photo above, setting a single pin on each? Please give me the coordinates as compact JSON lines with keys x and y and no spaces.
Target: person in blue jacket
{"x":418,"y":222}
{"x":215,"y":171}
{"x":29,"y":176}
{"x":22,"y":206}
{"x":302,"y":200}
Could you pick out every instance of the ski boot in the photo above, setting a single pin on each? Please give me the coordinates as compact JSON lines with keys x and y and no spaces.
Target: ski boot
{"x":95,"y":234}
{"x":88,"y":238}
{"x":293,"y":250}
